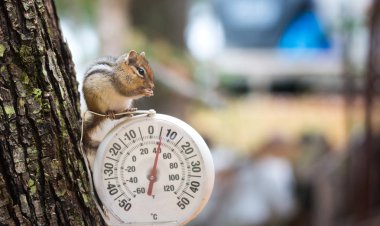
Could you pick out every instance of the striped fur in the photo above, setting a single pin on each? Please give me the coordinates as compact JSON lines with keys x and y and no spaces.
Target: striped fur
{"x":102,"y":65}
{"x":110,"y":85}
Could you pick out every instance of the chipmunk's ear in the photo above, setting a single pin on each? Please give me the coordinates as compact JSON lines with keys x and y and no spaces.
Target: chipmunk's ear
{"x":132,"y":56}
{"x":142,"y":54}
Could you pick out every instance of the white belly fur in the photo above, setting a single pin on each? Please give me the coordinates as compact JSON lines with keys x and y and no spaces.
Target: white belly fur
{"x":111,"y":100}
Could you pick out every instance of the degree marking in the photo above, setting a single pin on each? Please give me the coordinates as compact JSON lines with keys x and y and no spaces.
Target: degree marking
{"x":142,"y":139}
{"x":160,"y":132}
{"x":112,"y":159}
{"x":190,"y":157}
{"x":120,"y":196}
{"x":188,"y":194}
{"x":178,"y":141}
{"x":122,"y":142}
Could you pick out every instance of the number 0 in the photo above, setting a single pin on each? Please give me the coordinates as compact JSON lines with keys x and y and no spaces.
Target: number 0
{"x":150,"y":129}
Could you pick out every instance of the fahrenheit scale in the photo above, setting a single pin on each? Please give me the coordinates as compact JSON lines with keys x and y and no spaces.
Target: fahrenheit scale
{"x":153,"y":169}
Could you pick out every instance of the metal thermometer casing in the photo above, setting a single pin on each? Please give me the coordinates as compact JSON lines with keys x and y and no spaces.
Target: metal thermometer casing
{"x":124,"y":161}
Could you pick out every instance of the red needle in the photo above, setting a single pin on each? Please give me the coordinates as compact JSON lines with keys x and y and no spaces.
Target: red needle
{"x":153,"y":175}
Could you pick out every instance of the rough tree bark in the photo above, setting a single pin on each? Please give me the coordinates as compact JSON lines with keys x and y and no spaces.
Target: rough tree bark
{"x":42,"y":175}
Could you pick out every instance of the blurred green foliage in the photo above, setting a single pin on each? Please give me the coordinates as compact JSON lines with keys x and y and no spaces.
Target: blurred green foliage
{"x":78,"y":10}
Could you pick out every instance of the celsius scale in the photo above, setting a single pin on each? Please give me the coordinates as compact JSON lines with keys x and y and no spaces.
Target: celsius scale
{"x":152,"y":169}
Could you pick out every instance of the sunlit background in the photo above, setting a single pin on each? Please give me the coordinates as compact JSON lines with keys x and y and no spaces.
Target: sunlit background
{"x":276,"y":87}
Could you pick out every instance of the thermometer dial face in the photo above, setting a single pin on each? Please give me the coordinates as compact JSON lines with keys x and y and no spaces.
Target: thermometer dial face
{"x":153,"y":170}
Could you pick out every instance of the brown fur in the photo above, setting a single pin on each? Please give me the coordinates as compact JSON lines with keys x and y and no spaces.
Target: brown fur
{"x":112,"y":91}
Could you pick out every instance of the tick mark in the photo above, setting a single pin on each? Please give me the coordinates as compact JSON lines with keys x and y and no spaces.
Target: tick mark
{"x":190,"y":157}
{"x":122,"y":141}
{"x":112,"y":159}
{"x":110,"y":178}
{"x":118,"y":196}
{"x":160,"y":132}
{"x":178,"y":141}
{"x":141,"y":134}
{"x":188,"y":194}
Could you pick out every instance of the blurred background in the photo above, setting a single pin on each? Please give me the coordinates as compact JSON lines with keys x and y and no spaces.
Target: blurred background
{"x":286,"y":93}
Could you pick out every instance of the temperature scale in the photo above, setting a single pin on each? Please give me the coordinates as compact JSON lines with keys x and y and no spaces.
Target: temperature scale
{"x":153,"y":169}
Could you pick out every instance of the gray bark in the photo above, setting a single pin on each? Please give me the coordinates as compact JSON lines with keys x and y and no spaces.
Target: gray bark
{"x":42,"y":174}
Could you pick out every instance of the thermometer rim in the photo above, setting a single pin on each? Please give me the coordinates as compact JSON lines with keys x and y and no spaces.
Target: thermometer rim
{"x":209,"y":171}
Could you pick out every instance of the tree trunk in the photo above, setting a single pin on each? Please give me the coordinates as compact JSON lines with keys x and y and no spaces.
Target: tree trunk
{"x":362,"y":191}
{"x":372,"y":100}
{"x":113,"y":38}
{"x":165,"y":20}
{"x":43,"y":179}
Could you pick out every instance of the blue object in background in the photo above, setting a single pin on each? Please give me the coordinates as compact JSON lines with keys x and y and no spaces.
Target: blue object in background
{"x":304,"y":32}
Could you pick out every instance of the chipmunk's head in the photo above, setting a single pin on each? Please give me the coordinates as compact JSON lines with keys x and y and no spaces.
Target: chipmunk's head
{"x":134,"y":75}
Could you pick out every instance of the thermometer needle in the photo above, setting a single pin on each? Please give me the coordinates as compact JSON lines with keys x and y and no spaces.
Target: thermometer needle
{"x":153,"y":175}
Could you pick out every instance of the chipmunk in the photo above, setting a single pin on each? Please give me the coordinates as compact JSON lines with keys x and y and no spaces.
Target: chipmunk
{"x":109,"y":87}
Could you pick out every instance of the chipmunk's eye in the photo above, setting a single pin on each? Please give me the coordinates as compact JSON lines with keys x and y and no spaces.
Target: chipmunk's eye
{"x":141,"y":71}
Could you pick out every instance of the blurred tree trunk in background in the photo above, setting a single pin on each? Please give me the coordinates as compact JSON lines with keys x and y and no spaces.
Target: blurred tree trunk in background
{"x":42,"y":175}
{"x":372,"y":96}
{"x":161,"y":20}
{"x":114,"y":26}
{"x":363,"y":188}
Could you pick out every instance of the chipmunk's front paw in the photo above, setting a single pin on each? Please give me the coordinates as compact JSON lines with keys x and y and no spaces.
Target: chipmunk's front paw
{"x":148,"y":92}
{"x":111,"y":115}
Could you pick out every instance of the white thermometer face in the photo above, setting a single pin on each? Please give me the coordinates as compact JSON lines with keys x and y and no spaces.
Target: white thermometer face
{"x":154,"y":170}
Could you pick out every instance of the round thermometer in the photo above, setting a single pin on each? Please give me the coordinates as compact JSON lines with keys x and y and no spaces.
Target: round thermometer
{"x":153,"y":170}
